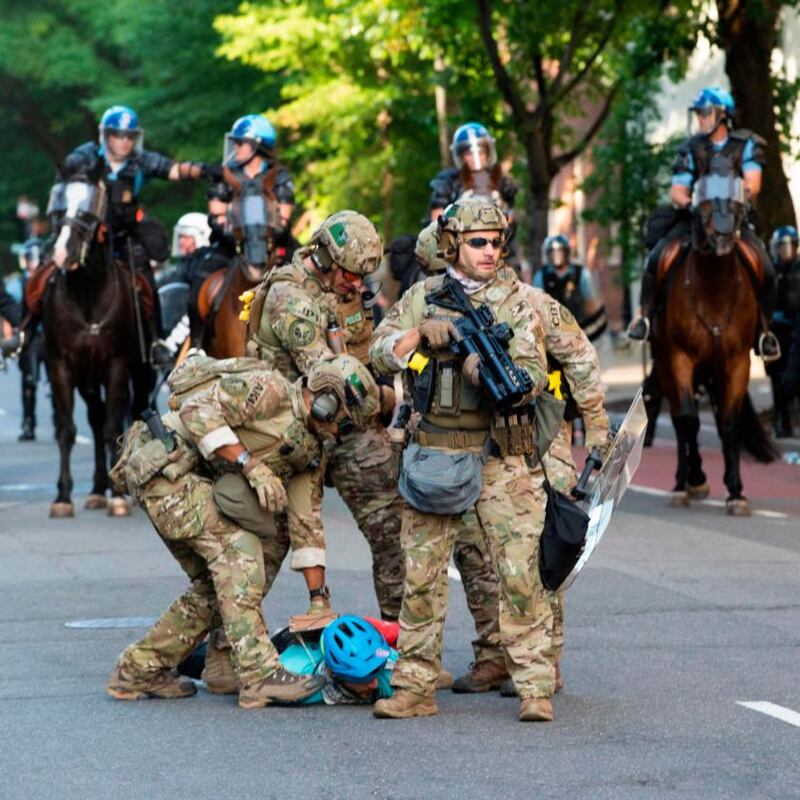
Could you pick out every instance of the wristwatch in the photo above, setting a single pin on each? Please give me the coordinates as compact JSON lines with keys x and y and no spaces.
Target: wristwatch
{"x":243,"y":459}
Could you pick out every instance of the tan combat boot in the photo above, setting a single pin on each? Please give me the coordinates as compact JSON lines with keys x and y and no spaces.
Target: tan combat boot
{"x":536,"y":709}
{"x":483,"y":676}
{"x":444,"y":681}
{"x":404,"y":704}
{"x":219,"y":673}
{"x":279,"y":686}
{"x":164,"y":685}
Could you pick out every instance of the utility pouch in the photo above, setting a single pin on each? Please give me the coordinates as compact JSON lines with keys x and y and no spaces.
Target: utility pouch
{"x":131,"y":440}
{"x":446,"y":401}
{"x":548,"y":414}
{"x":147,"y":462}
{"x":237,"y":500}
{"x":423,"y":388}
{"x":438,"y":481}
{"x":513,"y":433}
{"x":187,"y":460}
{"x":563,"y":538}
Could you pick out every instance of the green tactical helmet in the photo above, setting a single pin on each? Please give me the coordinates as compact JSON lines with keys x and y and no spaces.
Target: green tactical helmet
{"x":463,"y":216}
{"x":351,"y":242}
{"x":427,"y":250}
{"x":351,"y":382}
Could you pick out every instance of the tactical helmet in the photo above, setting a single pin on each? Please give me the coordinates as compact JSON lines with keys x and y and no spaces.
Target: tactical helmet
{"x":469,"y":138}
{"x":427,"y":250}
{"x":714,"y":97}
{"x":194,"y":224}
{"x":31,"y":253}
{"x":348,"y":240}
{"x":351,"y":383}
{"x":470,"y":214}
{"x":555,"y":242}
{"x":783,"y":243}
{"x":250,"y":128}
{"x":353,"y":649}
{"x":121,"y":119}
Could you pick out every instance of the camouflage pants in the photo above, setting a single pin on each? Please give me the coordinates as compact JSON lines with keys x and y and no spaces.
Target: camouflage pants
{"x":226,"y":567}
{"x":510,"y":515}
{"x":363,"y":470}
{"x":477,"y":573}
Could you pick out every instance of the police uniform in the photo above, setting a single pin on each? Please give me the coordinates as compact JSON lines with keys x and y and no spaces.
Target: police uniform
{"x":287,"y":330}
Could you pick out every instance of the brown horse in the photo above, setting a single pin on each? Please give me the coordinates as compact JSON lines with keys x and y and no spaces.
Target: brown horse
{"x":702,"y":337}
{"x":93,"y":343}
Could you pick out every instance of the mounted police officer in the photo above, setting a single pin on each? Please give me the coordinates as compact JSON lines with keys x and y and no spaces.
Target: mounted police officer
{"x":571,"y":284}
{"x":783,"y":247}
{"x":717,"y":148}
{"x":120,"y":161}
{"x":469,"y":452}
{"x":260,"y":193}
{"x":307,"y":311}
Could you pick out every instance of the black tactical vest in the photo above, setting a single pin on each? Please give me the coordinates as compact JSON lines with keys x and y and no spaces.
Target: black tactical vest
{"x":566,"y":288}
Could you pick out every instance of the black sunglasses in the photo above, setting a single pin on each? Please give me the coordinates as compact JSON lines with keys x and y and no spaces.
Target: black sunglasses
{"x":479,"y":242}
{"x":130,"y":135}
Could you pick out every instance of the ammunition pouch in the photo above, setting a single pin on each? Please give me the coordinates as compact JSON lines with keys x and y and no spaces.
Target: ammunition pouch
{"x":513,"y":432}
{"x":237,"y":500}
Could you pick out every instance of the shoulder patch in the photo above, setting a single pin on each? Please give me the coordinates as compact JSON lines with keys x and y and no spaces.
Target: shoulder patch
{"x":234,"y":386}
{"x":301,"y":333}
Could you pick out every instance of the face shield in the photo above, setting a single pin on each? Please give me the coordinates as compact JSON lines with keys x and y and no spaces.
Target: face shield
{"x":136,"y":136}
{"x":195,"y":226}
{"x":705,"y":120}
{"x":477,"y":152}
{"x":232,"y":158}
{"x":557,"y":255}
{"x":786,"y":249}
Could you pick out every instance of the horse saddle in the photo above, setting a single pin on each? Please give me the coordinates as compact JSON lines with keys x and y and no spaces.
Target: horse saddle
{"x":35,"y":286}
{"x":669,"y":257}
{"x":210,"y":288}
{"x":752,"y":259}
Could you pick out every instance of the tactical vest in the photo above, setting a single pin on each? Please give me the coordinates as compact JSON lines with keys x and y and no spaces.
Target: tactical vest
{"x":725,"y":161}
{"x":566,"y":288}
{"x":282,"y":442}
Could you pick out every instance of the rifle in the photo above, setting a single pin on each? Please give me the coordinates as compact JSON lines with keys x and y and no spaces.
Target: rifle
{"x":477,"y":332}
{"x":156,"y":427}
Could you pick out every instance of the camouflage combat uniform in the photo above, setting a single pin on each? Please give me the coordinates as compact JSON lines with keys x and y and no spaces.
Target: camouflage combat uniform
{"x":565,"y":343}
{"x":509,"y":511}
{"x":230,"y":568}
{"x":287,"y":331}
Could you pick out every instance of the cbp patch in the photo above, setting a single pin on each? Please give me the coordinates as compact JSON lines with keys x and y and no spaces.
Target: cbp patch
{"x":570,"y":323}
{"x":235,"y":387}
{"x":301,"y":333}
{"x":353,"y":318}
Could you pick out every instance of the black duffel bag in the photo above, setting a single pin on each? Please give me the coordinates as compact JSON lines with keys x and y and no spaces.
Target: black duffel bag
{"x":563,"y":537}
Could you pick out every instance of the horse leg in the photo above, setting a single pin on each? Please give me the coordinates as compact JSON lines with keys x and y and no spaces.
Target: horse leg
{"x":117,"y":399}
{"x":97,"y":413}
{"x":62,"y":391}
{"x":684,"y":419}
{"x":733,"y":389}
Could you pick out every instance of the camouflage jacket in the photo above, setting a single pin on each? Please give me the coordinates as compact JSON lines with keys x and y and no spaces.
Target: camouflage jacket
{"x":507,"y":299}
{"x":289,"y":319}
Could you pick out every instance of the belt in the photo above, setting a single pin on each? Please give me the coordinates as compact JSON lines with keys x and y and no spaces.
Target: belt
{"x":455,"y":440}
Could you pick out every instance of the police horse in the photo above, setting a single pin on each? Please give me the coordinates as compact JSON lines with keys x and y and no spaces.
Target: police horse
{"x":95,"y":341}
{"x":704,"y":329}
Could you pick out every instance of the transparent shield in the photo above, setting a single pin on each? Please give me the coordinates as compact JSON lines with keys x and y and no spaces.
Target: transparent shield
{"x":174,"y":301}
{"x":612,"y":480}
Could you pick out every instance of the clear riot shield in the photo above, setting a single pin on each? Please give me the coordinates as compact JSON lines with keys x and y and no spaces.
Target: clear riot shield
{"x":612,"y":480}
{"x":174,"y":301}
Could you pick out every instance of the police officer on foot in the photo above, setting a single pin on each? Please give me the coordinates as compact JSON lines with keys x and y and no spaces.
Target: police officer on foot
{"x":468,"y":452}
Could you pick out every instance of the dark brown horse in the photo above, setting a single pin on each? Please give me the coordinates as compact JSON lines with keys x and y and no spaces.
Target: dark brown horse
{"x":93,"y":343}
{"x":703,"y":334}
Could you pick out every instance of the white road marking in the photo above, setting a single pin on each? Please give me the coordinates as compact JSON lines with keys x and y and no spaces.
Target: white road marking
{"x":453,"y":573}
{"x":80,"y":439}
{"x":772,"y":710}
{"x":111,"y":622}
{"x":653,"y":492}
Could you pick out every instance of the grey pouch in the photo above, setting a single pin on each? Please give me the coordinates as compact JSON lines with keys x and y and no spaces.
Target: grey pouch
{"x":441,"y":481}
{"x":548,"y":414}
{"x":236,"y":499}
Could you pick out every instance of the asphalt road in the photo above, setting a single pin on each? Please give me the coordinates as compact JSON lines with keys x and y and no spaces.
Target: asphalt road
{"x":680,"y":617}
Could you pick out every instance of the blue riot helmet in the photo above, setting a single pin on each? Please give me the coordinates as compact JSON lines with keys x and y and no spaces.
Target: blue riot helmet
{"x":713,"y":100}
{"x":556,"y":251}
{"x":31,"y":253}
{"x":783,"y":244}
{"x":473,"y":139}
{"x":251,"y":128}
{"x":123,"y":121}
{"x":353,"y":649}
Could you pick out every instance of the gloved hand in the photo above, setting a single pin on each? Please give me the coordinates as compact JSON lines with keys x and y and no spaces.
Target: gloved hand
{"x":437,"y":332}
{"x":470,"y":369}
{"x":601,"y":439}
{"x":268,"y":486}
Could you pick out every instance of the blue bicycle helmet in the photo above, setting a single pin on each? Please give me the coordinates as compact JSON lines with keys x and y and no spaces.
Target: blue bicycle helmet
{"x":469,"y":138}
{"x":250,"y":128}
{"x":353,"y":649}
{"x":123,"y":120}
{"x":714,"y":97}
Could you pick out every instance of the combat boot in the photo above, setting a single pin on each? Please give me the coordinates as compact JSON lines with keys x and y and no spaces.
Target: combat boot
{"x":483,"y":676}
{"x":219,"y":673}
{"x":319,"y":613}
{"x":164,"y":685}
{"x":404,"y":704}
{"x":279,"y":686}
{"x":444,"y":681}
{"x":536,"y":709}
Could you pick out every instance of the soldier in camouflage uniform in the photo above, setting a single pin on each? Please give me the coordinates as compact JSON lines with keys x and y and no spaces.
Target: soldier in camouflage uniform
{"x":233,"y":419}
{"x":459,"y":418}
{"x":307,"y":311}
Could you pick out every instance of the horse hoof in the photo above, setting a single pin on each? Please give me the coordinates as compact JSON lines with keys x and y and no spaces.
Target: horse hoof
{"x":679,"y":499}
{"x":738,"y":507}
{"x":94,"y":502}
{"x":61,"y":510}
{"x":119,"y":507}
{"x":699,"y":492}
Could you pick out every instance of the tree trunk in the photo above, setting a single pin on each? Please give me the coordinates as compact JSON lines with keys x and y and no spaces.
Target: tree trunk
{"x":747,"y":30}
